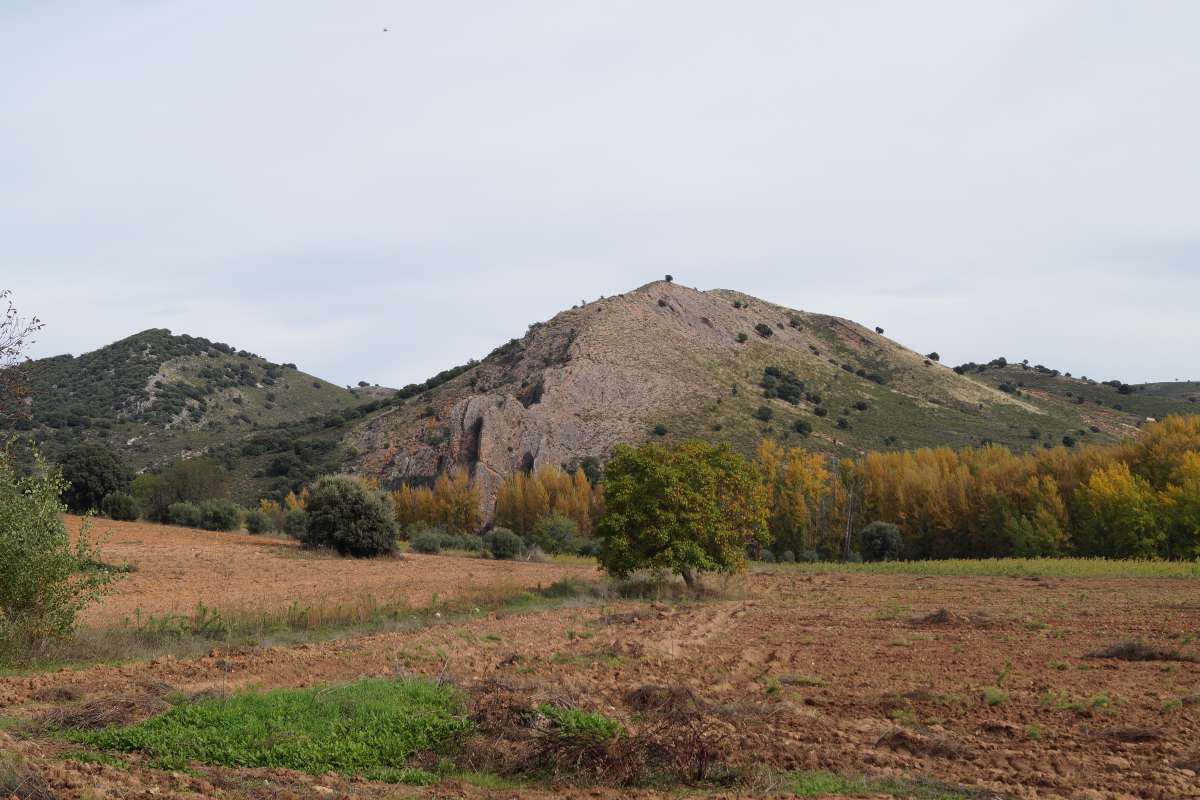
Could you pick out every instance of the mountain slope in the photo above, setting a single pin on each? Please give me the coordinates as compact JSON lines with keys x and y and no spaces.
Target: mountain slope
{"x":665,"y":361}
{"x":155,"y":396}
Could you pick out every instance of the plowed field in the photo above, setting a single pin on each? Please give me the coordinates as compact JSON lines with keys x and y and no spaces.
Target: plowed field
{"x":988,"y":684}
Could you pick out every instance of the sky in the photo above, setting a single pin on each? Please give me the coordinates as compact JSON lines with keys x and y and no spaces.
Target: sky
{"x":981,"y":179}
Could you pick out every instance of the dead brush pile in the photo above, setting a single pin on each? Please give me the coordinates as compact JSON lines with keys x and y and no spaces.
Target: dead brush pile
{"x":102,"y":712}
{"x":677,"y":740}
{"x":1137,"y":651}
{"x":107,"y":711}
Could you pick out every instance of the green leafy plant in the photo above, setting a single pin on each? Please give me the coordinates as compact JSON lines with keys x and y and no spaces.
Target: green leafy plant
{"x":369,"y":728}
{"x":258,"y":521}
{"x":45,"y":580}
{"x":584,"y":726}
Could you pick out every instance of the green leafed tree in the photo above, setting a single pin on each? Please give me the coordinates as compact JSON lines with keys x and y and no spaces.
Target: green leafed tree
{"x":92,"y":471}
{"x":45,"y":578}
{"x":688,"y":509}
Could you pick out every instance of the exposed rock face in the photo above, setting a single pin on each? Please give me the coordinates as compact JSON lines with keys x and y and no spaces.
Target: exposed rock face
{"x":612,"y":370}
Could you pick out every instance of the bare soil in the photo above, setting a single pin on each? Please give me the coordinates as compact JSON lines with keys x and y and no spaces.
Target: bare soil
{"x":991,"y":684}
{"x":176,"y":569}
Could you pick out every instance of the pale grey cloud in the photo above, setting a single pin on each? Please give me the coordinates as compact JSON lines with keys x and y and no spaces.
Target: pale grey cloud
{"x":1015,"y":178}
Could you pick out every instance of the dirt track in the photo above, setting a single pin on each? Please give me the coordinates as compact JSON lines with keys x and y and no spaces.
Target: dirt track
{"x":179,"y":568}
{"x":837,"y":673}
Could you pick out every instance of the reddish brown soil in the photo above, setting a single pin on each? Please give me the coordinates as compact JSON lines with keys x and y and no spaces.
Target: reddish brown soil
{"x":178,"y":568}
{"x":830,"y":672}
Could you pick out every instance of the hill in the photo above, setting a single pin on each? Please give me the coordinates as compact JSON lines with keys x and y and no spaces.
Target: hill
{"x":663,"y":362}
{"x":668,"y":362}
{"x":155,"y":397}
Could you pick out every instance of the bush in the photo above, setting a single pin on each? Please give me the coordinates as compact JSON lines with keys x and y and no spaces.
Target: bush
{"x":220,"y":515}
{"x":764,"y":413}
{"x":660,"y":430}
{"x":470,"y":542}
{"x":1068,"y":441}
{"x":295,"y":524}
{"x":802,"y":427}
{"x":427,"y":541}
{"x":258,"y":521}
{"x":505,"y":544}
{"x":741,"y":337}
{"x":861,"y":405}
{"x":821,"y":411}
{"x":588,"y":548}
{"x":119,"y":506}
{"x":767,"y":557}
{"x":881,"y":541}
{"x":843,"y":423}
{"x":45,"y":580}
{"x":787,"y":557}
{"x":347,"y":515}
{"x":556,"y":533}
{"x":763,"y":330}
{"x":186,"y":514}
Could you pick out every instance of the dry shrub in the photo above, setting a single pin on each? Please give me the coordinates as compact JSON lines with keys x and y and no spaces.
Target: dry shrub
{"x":920,"y":744}
{"x":513,"y":738}
{"x":1132,"y":734}
{"x":669,"y":700}
{"x":20,"y":780}
{"x":1191,"y":762}
{"x":103,"y":712}
{"x":944,"y":616}
{"x":58,"y":694}
{"x":1136,"y":651}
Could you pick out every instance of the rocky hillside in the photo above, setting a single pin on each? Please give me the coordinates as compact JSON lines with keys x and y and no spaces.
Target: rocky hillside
{"x":668,"y":362}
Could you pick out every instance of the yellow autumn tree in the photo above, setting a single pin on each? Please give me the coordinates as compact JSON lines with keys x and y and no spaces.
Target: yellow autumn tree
{"x":525,"y":499}
{"x":1181,"y":507}
{"x":798,"y":487}
{"x":456,"y":503}
{"x":1117,"y":515}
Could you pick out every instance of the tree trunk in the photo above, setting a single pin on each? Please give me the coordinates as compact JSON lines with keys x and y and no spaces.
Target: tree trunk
{"x":690,"y":577}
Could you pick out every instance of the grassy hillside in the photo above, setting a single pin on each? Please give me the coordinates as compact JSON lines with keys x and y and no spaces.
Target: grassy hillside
{"x":155,"y":396}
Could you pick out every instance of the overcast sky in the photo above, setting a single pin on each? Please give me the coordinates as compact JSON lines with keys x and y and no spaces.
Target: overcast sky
{"x":1013,"y":178}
